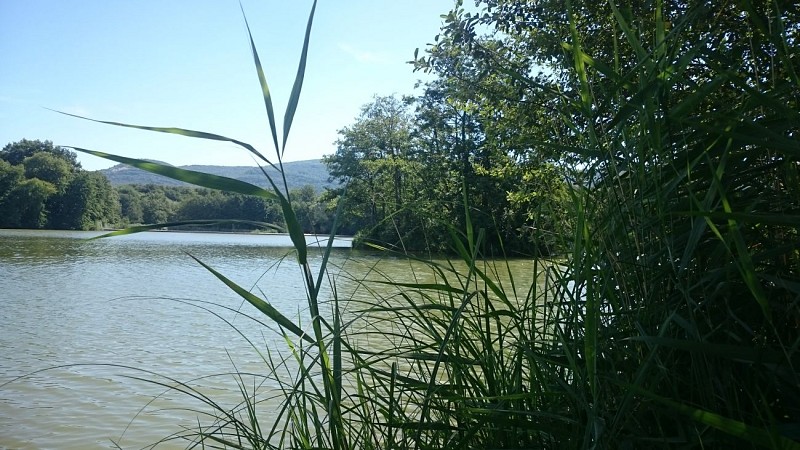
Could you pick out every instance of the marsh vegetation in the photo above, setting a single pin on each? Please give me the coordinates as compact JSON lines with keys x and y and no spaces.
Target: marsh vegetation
{"x":652,"y":146}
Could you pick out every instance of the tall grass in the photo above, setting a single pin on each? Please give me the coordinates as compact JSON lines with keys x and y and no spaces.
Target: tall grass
{"x":673,"y":322}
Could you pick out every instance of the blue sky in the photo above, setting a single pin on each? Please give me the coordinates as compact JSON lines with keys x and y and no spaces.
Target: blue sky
{"x":187,"y":63}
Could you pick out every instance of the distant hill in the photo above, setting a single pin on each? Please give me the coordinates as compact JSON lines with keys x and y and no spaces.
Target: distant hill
{"x":298,"y":174}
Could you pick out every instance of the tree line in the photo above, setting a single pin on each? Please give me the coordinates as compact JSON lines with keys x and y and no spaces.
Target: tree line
{"x":404,"y":180}
{"x":44,"y":186}
{"x":411,"y":168}
{"x":154,"y":204}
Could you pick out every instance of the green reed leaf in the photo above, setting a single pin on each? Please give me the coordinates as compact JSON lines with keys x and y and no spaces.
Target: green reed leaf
{"x":294,"y":98}
{"x":178,"y":131}
{"x":743,"y":258}
{"x":201,"y":179}
{"x":323,"y":267}
{"x":630,"y":34}
{"x":267,"y":309}
{"x":292,"y":225}
{"x":264,"y":86}
{"x":597,"y":64}
{"x":156,"y":226}
{"x":741,"y":430}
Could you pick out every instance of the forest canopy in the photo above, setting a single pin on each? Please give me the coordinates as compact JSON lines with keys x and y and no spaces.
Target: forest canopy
{"x":43,"y":186}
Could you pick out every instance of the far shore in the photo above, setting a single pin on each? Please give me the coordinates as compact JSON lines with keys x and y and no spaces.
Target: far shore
{"x":167,"y":230}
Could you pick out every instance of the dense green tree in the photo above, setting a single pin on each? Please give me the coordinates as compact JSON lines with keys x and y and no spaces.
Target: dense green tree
{"x":371,"y":159}
{"x":454,"y":157}
{"x":48,"y":167}
{"x":10,"y":177}
{"x":153,"y":204}
{"x":44,"y":186}
{"x":130,"y":201}
{"x":406,"y":195}
{"x":206,"y":204}
{"x":26,"y":204}
{"x":15,"y":153}
{"x":259,"y":209}
{"x":311,"y":211}
{"x":87,"y":202}
{"x":157,"y":207}
{"x":515,"y":60}
{"x":452,"y":151}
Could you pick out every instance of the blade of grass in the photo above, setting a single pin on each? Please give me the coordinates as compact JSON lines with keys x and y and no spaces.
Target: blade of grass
{"x":260,"y":304}
{"x":730,"y":426}
{"x":264,"y":86}
{"x":178,"y":131}
{"x":326,"y":255}
{"x":294,"y":98}
{"x":141,"y":228}
{"x":187,"y":176}
{"x":292,"y":224}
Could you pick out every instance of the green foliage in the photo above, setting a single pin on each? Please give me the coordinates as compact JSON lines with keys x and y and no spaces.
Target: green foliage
{"x":26,"y":204}
{"x":87,"y":202}
{"x":406,"y":174}
{"x":131,"y":207}
{"x":313,"y":214}
{"x":157,"y":208}
{"x":15,"y":152}
{"x":153,"y":204}
{"x":370,"y":159}
{"x":48,"y":167}
{"x":10,"y":176}
{"x":44,"y":187}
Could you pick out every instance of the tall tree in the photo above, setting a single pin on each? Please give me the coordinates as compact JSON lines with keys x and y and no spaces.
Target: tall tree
{"x":372,"y":159}
{"x":479,"y":146}
{"x":130,"y":201}
{"x":44,"y":186}
{"x":26,"y":204}
{"x":87,"y":202}
{"x":157,"y":207}
{"x":16,"y":152}
{"x":48,"y":167}
{"x":10,"y":177}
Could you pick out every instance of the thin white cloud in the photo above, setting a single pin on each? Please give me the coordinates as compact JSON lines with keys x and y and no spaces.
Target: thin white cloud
{"x":365,"y":56}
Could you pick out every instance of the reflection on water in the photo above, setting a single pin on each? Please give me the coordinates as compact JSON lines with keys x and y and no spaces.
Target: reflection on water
{"x":94,"y":313}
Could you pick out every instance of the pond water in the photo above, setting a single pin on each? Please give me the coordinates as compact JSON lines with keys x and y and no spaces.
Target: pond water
{"x":82,"y":320}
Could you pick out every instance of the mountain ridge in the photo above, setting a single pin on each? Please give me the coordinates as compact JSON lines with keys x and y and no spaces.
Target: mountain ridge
{"x":298,"y":174}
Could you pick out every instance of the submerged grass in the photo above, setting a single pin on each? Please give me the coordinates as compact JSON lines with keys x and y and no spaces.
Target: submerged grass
{"x":673,"y":323}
